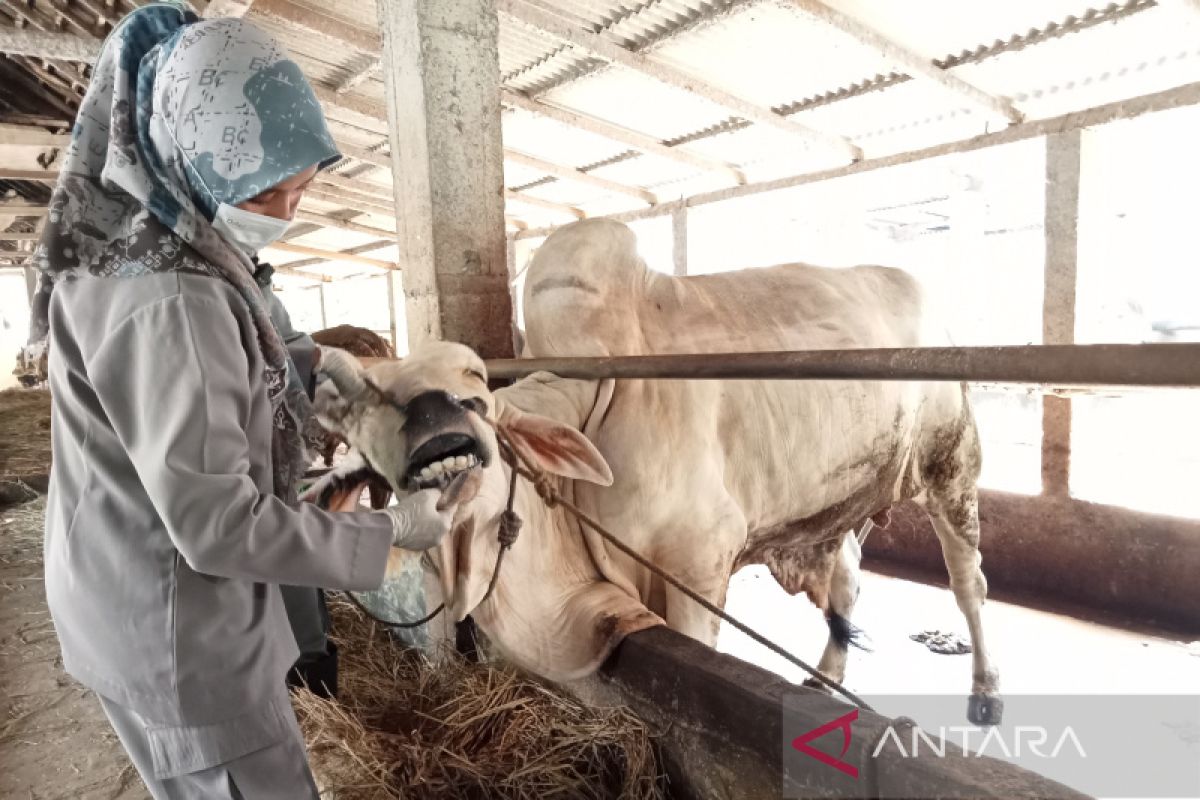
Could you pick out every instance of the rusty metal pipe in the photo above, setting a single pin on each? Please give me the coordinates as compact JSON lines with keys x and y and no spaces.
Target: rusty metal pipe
{"x":1090,"y":366}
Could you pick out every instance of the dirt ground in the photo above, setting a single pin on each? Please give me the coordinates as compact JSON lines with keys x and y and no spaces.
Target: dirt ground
{"x":24,"y":432}
{"x":54,"y":740}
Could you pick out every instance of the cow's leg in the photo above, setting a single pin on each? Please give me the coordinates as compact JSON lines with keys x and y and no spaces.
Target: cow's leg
{"x":955,"y":516}
{"x":705,"y":570}
{"x":843,"y":594}
{"x":689,"y":617}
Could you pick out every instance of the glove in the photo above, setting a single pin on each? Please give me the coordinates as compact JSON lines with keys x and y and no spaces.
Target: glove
{"x":343,"y":369}
{"x":417,"y":522}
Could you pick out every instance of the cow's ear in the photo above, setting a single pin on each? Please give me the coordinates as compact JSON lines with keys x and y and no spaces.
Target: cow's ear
{"x":555,"y":447}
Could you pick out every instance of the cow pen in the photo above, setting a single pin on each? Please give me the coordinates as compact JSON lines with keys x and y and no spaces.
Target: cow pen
{"x":1031,"y":164}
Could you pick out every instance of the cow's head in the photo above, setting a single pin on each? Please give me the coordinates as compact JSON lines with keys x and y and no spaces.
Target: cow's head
{"x":423,"y":420}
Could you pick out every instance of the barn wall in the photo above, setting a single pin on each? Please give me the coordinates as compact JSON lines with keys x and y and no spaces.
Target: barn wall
{"x":1060,"y":551}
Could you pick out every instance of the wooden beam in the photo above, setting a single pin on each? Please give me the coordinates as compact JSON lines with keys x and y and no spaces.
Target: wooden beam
{"x":364,"y":155}
{"x":308,"y":20}
{"x":17,"y":237}
{"x":227,"y":8}
{"x":549,"y":205}
{"x":47,"y":175}
{"x":519,"y":224}
{"x":352,"y":110}
{"x":1178,"y":97}
{"x":326,"y":221}
{"x":17,"y":118}
{"x":346,"y":200}
{"x":288,"y":269}
{"x":919,"y":66}
{"x":358,"y":78}
{"x":31,"y":136}
{"x":331,"y":255}
{"x":638,"y":141}
{"x":20,"y":209}
{"x":356,"y":250}
{"x":40,"y":44}
{"x":366,"y":111}
{"x":360,"y":187}
{"x":572,"y":174}
{"x":548,"y":23}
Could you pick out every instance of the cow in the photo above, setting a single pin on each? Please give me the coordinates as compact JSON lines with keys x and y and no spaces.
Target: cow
{"x":702,"y":477}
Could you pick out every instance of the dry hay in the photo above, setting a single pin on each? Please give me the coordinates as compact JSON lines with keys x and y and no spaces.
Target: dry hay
{"x":405,"y":727}
{"x":24,"y":432}
{"x":23,"y":528}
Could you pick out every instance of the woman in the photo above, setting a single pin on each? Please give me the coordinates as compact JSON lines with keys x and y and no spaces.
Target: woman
{"x":179,"y":418}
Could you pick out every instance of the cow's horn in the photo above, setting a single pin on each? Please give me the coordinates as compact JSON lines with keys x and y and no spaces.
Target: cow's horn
{"x":341,"y":368}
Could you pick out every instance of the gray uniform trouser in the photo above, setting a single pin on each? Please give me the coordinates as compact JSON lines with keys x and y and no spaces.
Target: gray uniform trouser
{"x":163,"y":757}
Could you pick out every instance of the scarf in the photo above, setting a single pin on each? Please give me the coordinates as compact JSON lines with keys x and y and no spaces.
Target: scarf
{"x":182,"y":115}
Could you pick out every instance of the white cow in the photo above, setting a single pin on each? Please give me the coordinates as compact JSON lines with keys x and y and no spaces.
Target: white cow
{"x":706,"y":476}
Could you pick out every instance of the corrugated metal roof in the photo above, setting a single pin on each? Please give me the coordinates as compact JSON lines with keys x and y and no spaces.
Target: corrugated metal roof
{"x":1048,"y":56}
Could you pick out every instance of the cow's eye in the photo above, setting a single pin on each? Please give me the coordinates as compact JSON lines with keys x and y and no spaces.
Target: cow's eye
{"x":476,"y":374}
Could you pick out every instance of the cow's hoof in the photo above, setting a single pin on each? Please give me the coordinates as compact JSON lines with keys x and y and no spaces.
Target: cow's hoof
{"x":985,"y":709}
{"x":813,"y":683}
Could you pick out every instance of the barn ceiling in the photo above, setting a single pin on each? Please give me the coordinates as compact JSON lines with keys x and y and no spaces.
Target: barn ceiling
{"x":662,"y":99}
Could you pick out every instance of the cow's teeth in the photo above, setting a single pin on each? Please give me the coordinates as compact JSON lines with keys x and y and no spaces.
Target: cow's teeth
{"x":426,"y":473}
{"x":436,"y":468}
{"x":471,"y":460}
{"x":460,"y":462}
{"x":448,"y":463}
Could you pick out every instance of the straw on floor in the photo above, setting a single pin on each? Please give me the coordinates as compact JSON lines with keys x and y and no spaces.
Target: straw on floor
{"x":406,"y":727}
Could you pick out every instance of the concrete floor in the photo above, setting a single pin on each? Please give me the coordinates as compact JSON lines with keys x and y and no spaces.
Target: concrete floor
{"x":1036,"y":651}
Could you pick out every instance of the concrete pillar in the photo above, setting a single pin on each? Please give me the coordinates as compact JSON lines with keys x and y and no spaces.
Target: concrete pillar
{"x":390,"y":277}
{"x":679,"y":239}
{"x":1058,"y":303}
{"x":442,"y":79}
{"x":31,"y":278}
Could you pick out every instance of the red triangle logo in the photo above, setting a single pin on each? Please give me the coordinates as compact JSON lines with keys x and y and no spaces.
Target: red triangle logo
{"x":842,"y":723}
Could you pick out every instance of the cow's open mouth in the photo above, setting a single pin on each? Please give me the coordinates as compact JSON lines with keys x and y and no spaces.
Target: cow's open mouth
{"x":436,"y":462}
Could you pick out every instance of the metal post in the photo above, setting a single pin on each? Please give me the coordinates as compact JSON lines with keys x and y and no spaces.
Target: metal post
{"x":321,"y":294}
{"x":679,"y":239}
{"x":442,"y":81}
{"x":1087,"y":366}
{"x":1058,"y":303}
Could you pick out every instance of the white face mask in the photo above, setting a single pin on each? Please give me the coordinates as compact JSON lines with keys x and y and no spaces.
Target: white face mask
{"x":246,"y":230}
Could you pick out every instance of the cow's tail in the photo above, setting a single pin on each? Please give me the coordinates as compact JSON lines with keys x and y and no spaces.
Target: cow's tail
{"x":846,"y":633}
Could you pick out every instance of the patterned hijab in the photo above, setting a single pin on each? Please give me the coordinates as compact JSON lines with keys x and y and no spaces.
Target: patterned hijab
{"x":182,"y":115}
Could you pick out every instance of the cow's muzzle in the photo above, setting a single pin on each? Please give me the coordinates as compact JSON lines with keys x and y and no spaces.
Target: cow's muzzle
{"x":442,"y":439}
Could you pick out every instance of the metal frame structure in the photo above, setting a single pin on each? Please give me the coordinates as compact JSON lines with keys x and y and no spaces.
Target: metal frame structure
{"x":53,"y":43}
{"x":1050,"y":366}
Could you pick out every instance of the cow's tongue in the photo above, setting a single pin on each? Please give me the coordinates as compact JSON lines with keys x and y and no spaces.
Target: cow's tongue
{"x":462,"y":489}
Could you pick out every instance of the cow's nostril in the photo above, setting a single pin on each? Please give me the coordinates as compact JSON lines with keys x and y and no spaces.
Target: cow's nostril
{"x":474,"y":404}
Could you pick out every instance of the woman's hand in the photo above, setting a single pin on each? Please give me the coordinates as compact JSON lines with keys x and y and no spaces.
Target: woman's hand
{"x":419,"y":521}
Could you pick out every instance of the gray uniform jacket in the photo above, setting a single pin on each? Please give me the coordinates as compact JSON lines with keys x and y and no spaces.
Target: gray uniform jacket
{"x":164,"y":543}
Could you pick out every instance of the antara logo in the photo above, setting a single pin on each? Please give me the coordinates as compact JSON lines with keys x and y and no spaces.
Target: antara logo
{"x":1031,"y":740}
{"x":842,"y":723}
